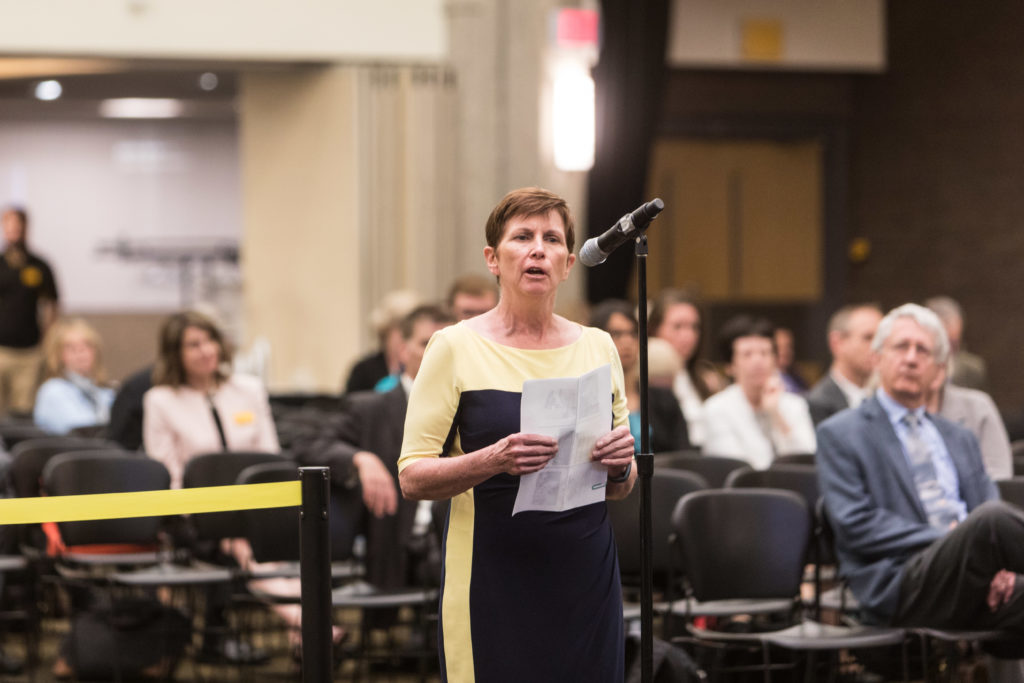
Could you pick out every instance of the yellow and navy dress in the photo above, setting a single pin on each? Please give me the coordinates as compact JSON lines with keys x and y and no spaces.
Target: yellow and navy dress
{"x":535,"y":597}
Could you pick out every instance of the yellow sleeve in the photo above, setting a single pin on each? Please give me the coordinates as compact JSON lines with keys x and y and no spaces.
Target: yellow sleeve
{"x":432,"y":403}
{"x":620,"y":406}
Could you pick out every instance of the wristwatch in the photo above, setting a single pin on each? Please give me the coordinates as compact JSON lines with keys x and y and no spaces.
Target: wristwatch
{"x":622,"y":477}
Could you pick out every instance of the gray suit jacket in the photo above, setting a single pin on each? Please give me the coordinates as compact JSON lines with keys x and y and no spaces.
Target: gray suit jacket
{"x":975,"y":411}
{"x":825,"y":399}
{"x":873,"y":504}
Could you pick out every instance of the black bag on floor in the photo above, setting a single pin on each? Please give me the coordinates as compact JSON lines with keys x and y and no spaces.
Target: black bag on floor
{"x":135,"y":638}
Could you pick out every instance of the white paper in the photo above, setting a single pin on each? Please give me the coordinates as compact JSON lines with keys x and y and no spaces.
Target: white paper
{"x":577,"y":411}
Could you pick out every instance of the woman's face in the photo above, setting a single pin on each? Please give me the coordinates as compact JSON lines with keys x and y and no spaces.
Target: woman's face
{"x":77,"y":353}
{"x":532,"y":257}
{"x":681,"y":329}
{"x":624,"y":334}
{"x":200,"y":354}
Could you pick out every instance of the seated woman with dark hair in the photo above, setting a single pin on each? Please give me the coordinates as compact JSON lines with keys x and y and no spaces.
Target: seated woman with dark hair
{"x":75,"y":392}
{"x":755,"y":419}
{"x":668,"y":427}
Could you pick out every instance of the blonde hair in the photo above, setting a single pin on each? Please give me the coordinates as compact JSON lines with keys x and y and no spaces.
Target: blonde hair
{"x":53,"y":347}
{"x":663,"y":362}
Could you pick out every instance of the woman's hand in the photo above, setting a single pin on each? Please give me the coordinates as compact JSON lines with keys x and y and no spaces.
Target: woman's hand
{"x":771,"y":394}
{"x":614,"y":450}
{"x":523,"y":453}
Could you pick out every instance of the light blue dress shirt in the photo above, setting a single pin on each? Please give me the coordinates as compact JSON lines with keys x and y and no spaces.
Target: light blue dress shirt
{"x":945,"y":470}
{"x":63,"y":404}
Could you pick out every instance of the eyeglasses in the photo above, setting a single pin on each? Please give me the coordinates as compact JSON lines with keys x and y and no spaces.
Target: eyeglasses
{"x":903,"y":347}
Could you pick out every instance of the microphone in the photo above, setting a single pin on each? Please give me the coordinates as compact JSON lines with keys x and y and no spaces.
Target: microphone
{"x":595,"y":250}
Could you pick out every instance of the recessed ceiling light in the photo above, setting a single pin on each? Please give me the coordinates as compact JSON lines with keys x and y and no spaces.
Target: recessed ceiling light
{"x":48,"y":90}
{"x":208,"y":81}
{"x":141,"y":108}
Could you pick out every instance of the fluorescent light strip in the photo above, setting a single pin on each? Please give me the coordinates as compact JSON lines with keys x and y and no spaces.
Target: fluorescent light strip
{"x":141,"y":108}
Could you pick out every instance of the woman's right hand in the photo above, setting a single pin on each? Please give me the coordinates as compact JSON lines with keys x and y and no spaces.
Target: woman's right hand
{"x":523,"y":453}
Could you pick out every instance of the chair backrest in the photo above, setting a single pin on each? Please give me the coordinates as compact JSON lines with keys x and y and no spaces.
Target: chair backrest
{"x":714,"y":468}
{"x":222,"y":469}
{"x":15,"y":430}
{"x":31,"y":455}
{"x":106,"y":471}
{"x":800,"y":479}
{"x":743,"y":543}
{"x":794,"y":459}
{"x":273,"y":533}
{"x":667,"y":488}
{"x":1012,"y":490}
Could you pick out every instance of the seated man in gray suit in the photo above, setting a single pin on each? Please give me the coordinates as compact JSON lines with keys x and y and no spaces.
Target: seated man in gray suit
{"x":920,"y":533}
{"x":850,"y":331}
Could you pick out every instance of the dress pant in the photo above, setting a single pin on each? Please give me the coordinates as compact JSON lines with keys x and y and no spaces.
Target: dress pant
{"x":946,"y":585}
{"x":19,"y":378}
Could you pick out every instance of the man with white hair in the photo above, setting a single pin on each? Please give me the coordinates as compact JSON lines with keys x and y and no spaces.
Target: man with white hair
{"x":920,"y":533}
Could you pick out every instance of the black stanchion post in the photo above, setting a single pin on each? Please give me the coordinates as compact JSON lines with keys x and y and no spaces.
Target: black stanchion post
{"x":645,"y":470}
{"x":315,"y":575}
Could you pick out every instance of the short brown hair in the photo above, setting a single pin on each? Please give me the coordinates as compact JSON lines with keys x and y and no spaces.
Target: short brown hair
{"x":434,"y":314}
{"x":169,"y":368}
{"x":473,"y":285}
{"x":528,"y":201}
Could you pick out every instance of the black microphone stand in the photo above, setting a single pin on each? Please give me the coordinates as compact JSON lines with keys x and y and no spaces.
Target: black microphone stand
{"x":645,"y":470}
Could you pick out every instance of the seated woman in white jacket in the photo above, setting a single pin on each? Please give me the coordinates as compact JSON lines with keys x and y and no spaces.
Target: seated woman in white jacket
{"x":755,"y":419}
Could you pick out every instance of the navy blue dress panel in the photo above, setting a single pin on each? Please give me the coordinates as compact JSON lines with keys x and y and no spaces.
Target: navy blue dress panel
{"x":545,"y":595}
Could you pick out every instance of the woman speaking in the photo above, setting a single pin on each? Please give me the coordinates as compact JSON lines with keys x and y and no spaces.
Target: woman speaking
{"x":534,"y":597}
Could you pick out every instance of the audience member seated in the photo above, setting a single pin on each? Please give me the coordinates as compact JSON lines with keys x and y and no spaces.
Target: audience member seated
{"x":975,"y":411}
{"x":966,"y":369}
{"x":754,"y":419}
{"x":365,"y":440}
{"x":75,"y":392}
{"x":195,"y":407}
{"x":471,"y":295}
{"x":383,"y":363}
{"x":850,"y":331}
{"x":663,"y":363}
{"x":667,"y":425}
{"x":125,"y":425}
{"x":920,"y":533}
{"x":785,"y":348}
{"x":675,"y":318}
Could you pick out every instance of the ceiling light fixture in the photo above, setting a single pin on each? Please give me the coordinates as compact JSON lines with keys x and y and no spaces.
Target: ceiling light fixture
{"x":141,"y":108}
{"x":208,"y":81}
{"x":48,"y":90}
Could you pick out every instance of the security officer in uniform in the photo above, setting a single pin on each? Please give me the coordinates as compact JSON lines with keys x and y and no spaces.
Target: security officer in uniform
{"x":28,"y":304}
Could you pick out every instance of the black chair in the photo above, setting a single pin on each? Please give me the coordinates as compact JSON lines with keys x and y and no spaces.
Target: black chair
{"x":1012,"y":490}
{"x":15,"y":430}
{"x":667,"y":488}
{"x":794,"y":459}
{"x":273,"y":538}
{"x":744,"y":550}
{"x":31,"y":455}
{"x":222,"y":469}
{"x":800,"y":479}
{"x":107,"y":471}
{"x":713,"y":468}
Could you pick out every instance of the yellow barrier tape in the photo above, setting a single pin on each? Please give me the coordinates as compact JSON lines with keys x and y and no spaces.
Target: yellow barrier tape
{"x":150,"y":503}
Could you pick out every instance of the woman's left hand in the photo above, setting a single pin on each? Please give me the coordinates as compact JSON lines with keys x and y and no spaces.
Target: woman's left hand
{"x":614,"y":450}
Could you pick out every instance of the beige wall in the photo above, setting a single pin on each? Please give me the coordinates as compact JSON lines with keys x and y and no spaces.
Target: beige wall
{"x":300,"y":248}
